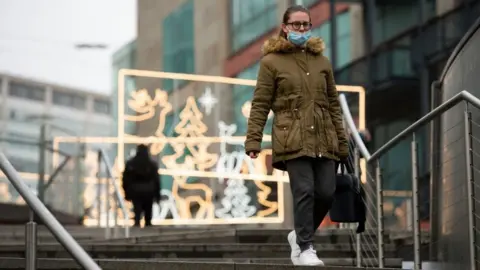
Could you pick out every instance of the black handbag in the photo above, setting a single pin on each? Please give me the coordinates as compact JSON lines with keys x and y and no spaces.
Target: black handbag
{"x":349,"y":204}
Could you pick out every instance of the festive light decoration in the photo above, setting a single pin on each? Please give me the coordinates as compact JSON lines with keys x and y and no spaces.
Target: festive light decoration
{"x":208,"y":101}
{"x":190,"y":125}
{"x":198,"y":162}
{"x":236,"y":202}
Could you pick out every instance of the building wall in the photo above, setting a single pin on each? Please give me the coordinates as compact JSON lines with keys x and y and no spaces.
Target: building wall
{"x":451,"y":181}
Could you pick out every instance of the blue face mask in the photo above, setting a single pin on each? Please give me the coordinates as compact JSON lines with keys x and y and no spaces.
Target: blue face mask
{"x":299,"y":38}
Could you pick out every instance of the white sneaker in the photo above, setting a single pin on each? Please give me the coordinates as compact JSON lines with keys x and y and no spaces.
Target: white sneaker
{"x":309,"y":257}
{"x":295,"y":254}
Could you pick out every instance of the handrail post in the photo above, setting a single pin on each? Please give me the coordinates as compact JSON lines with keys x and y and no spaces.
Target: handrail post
{"x":415,"y":204}
{"x":31,"y":243}
{"x":118,"y":196}
{"x":107,"y":207}
{"x":470,"y":186}
{"x":67,"y":241}
{"x":358,"y":238}
{"x":115,"y":218}
{"x":99,"y":190}
{"x":380,"y":230}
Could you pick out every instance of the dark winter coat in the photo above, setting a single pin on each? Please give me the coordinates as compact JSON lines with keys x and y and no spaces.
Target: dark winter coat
{"x":297,"y":84}
{"x":140,"y":178}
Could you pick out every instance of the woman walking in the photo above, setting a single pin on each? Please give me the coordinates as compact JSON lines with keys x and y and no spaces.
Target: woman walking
{"x":296,"y":82}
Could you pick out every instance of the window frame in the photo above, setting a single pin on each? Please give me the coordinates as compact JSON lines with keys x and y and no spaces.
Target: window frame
{"x":74,"y":99}
{"x":235,"y":29}
{"x":28,"y":90}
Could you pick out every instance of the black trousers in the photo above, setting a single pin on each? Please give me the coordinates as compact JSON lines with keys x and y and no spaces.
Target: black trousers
{"x":312,"y":181}
{"x":143,"y":206}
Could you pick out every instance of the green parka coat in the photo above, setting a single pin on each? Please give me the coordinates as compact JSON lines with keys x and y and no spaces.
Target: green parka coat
{"x":297,"y":84}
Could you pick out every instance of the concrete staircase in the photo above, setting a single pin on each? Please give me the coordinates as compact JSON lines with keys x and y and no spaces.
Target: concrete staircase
{"x":182,"y":248}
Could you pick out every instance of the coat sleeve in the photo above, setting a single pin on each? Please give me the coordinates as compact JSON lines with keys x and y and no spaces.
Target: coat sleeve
{"x":261,"y":106}
{"x":157,"y":181}
{"x":336,"y":113}
{"x":126,"y":180}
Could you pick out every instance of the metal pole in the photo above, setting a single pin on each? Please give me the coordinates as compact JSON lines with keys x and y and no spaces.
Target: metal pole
{"x":118,"y":196}
{"x":41,"y":163}
{"x":333,"y":34}
{"x":470,"y":187}
{"x":358,"y":239}
{"x":76,"y":184}
{"x":99,"y":189}
{"x":416,"y":220}
{"x":31,"y":243}
{"x":107,"y":208}
{"x":115,"y":217}
{"x":67,"y":241}
{"x":379,"y":194}
{"x":434,"y":173}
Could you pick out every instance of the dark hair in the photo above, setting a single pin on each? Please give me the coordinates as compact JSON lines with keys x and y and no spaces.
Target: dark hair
{"x":288,"y":12}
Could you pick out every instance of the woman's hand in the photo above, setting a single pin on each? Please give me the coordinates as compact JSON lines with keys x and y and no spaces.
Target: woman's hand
{"x":253,"y":155}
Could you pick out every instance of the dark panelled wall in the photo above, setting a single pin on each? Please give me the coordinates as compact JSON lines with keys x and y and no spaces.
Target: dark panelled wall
{"x":461,"y":73}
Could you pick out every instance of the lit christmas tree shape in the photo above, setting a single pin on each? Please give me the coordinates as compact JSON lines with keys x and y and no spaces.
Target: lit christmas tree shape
{"x":236,"y":201}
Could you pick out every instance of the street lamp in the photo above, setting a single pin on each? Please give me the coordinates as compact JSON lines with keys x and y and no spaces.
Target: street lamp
{"x":91,"y":46}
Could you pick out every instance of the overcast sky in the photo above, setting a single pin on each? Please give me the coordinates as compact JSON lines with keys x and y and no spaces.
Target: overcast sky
{"x":38,"y":37}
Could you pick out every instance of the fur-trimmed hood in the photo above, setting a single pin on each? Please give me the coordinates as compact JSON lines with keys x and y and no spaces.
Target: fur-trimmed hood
{"x":279,"y":44}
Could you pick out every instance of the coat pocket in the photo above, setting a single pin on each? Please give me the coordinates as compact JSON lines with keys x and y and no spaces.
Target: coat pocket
{"x":331,"y":132}
{"x":287,"y":135}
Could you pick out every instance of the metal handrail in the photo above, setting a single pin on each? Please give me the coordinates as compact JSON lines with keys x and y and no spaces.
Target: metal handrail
{"x":347,"y":115}
{"x":120,"y":199}
{"x":65,"y":239}
{"x":462,"y":96}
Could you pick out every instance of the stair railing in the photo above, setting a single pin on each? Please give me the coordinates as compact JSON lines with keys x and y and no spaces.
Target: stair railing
{"x":375,"y":181}
{"x":119,"y":201}
{"x":60,"y":233}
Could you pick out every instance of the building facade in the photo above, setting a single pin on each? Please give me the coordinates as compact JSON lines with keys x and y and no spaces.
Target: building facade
{"x":27,"y":104}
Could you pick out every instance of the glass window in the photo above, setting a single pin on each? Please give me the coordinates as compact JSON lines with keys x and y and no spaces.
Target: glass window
{"x":306,"y":3}
{"x":101,"y":106}
{"x":394,"y":19}
{"x":344,"y":39}
{"x":69,"y":100}
{"x":178,"y":44}
{"x":22,"y":90}
{"x":251,"y":19}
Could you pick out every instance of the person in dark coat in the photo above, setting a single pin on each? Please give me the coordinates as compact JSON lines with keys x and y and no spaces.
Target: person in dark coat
{"x":141,"y":184}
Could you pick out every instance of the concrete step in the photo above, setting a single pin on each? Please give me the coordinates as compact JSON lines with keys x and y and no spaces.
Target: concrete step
{"x":233,"y":236}
{"x":173,"y":250}
{"x":193,"y":236}
{"x":123,"y":264}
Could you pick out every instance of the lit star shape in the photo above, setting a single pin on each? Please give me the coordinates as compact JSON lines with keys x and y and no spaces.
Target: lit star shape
{"x":208,"y":101}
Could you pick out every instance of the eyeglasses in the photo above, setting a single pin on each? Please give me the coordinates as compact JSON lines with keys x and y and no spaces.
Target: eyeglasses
{"x":297,"y":25}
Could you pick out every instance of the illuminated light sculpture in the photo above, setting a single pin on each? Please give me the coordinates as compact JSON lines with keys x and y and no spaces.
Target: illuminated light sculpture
{"x":208,"y":101}
{"x":191,"y":125}
{"x":145,"y":107}
{"x":236,"y":201}
{"x":197,"y":162}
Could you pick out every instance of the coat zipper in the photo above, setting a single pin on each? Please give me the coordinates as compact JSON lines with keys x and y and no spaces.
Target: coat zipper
{"x":317,"y":153}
